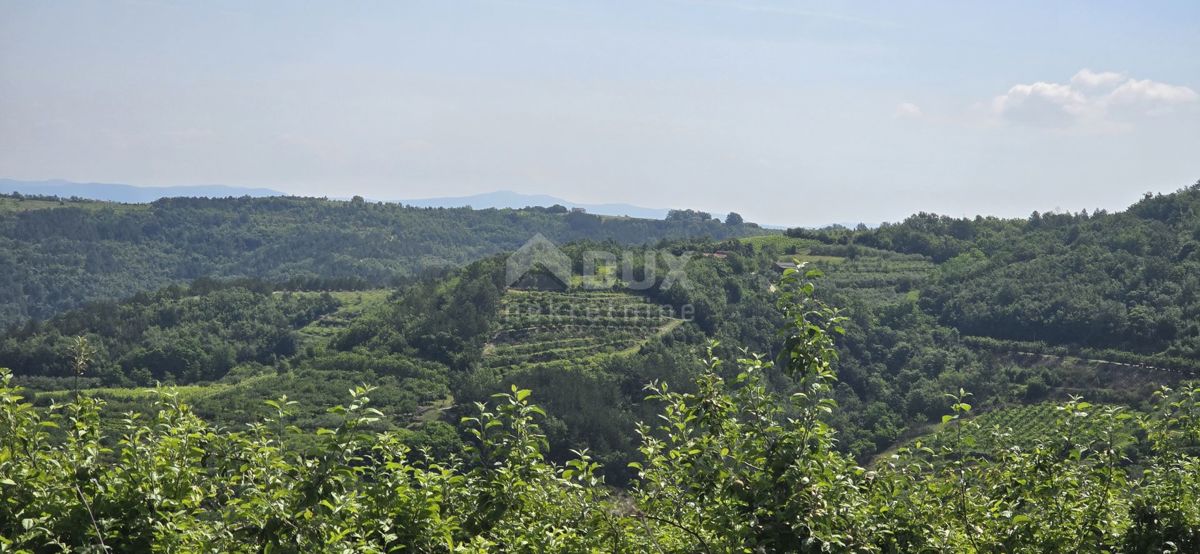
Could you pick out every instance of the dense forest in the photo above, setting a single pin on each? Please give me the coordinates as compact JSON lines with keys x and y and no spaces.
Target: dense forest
{"x":179,"y":334}
{"x":56,"y":254}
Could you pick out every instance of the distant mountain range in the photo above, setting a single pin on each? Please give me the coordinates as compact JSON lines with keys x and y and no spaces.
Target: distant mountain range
{"x":509,"y":199}
{"x":113,"y":192}
{"x":129,"y":193}
{"x":126,"y":193}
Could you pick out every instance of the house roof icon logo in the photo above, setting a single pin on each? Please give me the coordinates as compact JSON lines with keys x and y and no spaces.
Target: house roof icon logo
{"x":538,"y":251}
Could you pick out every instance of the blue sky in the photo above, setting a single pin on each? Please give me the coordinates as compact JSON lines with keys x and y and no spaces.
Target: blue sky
{"x":788,"y":112}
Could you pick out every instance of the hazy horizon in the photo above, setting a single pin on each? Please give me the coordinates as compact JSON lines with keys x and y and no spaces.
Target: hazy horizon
{"x":788,"y":113}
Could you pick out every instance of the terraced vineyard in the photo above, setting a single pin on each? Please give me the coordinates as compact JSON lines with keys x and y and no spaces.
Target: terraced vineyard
{"x":878,"y":279}
{"x":541,"y":328}
{"x":1022,"y":426}
{"x":862,"y":272}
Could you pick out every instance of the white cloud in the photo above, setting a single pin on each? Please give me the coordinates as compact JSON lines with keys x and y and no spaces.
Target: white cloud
{"x":908,"y":109}
{"x":1087,"y":78}
{"x":1090,"y":97}
{"x":1150,"y":92}
{"x":1041,"y":103}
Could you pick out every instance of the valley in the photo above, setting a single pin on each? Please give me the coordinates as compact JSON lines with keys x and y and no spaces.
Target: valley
{"x":432,"y":349}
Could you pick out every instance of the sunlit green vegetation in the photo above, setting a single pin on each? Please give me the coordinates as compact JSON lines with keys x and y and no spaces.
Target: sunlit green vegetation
{"x":539,"y":327}
{"x":17,"y":203}
{"x":789,"y":249}
{"x":730,"y":465}
{"x":1025,"y":426}
{"x":176,"y":335}
{"x":351,"y":305}
{"x":431,"y":347}
{"x":1125,"y":282}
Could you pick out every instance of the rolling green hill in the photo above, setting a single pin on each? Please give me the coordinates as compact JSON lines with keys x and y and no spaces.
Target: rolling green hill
{"x":1124,"y":282}
{"x":731,"y":463}
{"x":57,"y":255}
{"x":437,"y":344}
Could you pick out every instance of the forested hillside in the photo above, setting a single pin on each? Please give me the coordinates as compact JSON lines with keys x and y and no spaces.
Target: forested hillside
{"x":179,"y":334}
{"x":56,"y":255}
{"x":1127,"y":281}
{"x":436,"y":345}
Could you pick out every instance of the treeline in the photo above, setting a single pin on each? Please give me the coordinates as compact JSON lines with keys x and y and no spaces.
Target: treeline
{"x":731,"y":466}
{"x":60,"y":257}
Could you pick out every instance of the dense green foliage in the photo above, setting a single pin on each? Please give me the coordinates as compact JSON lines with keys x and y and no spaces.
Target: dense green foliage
{"x":1127,"y":281}
{"x":233,"y":344}
{"x":1028,"y":425}
{"x":179,"y":334}
{"x":56,"y":257}
{"x":729,"y":467}
{"x":439,"y":344}
{"x":1015,"y":310}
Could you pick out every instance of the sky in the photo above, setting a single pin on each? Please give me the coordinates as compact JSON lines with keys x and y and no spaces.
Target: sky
{"x":790,"y":113}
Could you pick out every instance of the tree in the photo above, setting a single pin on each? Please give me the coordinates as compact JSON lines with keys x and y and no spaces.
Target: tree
{"x":733,"y":218}
{"x":688,"y":215}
